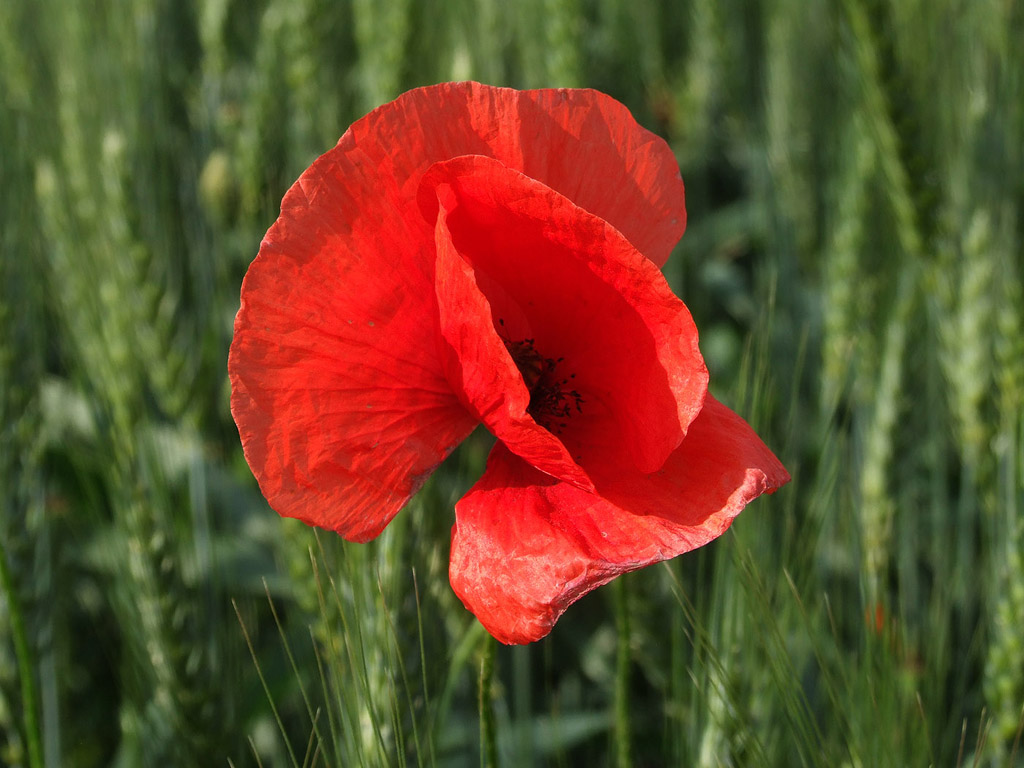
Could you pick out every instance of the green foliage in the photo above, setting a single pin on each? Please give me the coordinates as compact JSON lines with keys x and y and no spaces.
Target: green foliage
{"x":854,"y":259}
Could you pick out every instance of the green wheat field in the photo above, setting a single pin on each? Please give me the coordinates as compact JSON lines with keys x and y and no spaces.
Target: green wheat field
{"x":854,"y":261}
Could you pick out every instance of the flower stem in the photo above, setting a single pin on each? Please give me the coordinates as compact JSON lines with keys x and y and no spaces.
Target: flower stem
{"x":21,"y":651}
{"x":488,"y":729}
{"x":622,"y":665}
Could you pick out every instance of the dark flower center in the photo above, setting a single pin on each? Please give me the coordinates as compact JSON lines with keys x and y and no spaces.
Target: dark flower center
{"x":552,"y":401}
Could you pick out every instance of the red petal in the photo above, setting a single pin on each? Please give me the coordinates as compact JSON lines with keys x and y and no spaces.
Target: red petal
{"x":340,"y":397}
{"x":581,"y":143}
{"x":525,"y":546}
{"x":579,"y":289}
{"x":481,"y":368}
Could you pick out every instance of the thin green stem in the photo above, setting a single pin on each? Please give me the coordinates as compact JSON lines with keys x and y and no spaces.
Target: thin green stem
{"x":266,"y":689}
{"x":622,"y":668}
{"x":21,"y":651}
{"x":488,"y":728}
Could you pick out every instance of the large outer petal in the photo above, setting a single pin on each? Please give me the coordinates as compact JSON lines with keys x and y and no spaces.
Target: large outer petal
{"x":581,"y":143}
{"x":525,"y":546}
{"x":340,"y":400}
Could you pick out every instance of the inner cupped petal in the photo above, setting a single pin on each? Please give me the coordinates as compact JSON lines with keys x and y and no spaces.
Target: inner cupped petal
{"x":480,"y":366}
{"x":593,"y":306}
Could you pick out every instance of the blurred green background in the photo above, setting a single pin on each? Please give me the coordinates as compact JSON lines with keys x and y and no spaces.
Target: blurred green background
{"x":854,"y":260}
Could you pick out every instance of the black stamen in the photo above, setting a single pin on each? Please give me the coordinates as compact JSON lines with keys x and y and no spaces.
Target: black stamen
{"x":550,"y":402}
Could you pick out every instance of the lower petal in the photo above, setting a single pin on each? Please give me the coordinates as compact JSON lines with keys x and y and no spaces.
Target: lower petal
{"x":525,"y":547}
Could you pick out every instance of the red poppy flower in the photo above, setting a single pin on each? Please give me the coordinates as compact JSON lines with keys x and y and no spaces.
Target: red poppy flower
{"x":471,"y":254}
